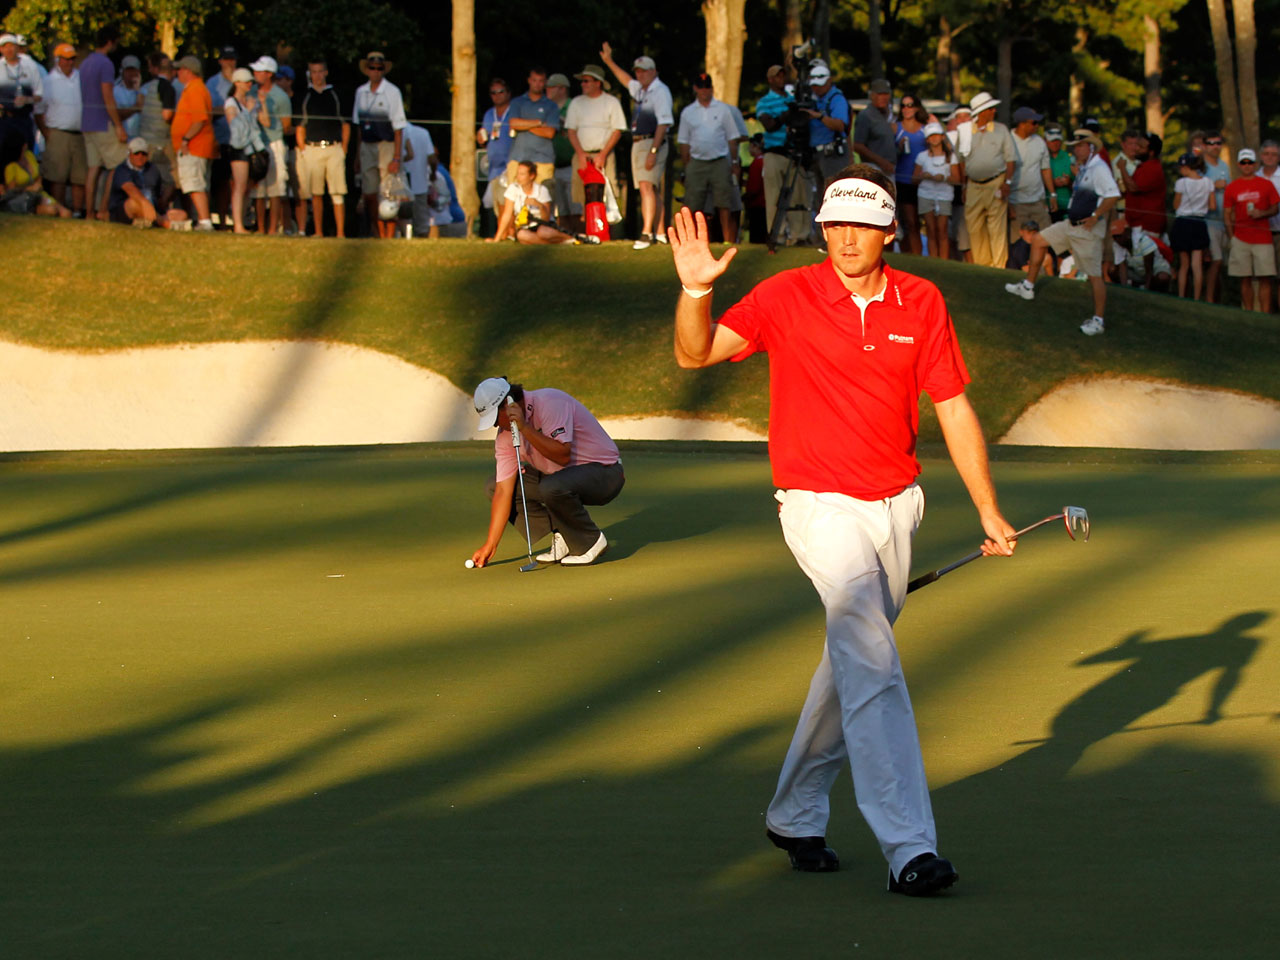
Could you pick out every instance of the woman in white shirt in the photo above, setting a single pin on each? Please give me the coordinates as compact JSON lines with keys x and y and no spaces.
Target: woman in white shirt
{"x":937,"y":172}
{"x":1193,"y":198}
{"x":526,"y":211}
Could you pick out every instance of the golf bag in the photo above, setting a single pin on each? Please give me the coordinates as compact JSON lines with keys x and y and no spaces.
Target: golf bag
{"x":595,"y":220}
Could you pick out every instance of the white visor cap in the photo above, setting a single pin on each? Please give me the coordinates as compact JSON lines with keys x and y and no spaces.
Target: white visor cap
{"x":489,"y":396}
{"x":857,"y":201}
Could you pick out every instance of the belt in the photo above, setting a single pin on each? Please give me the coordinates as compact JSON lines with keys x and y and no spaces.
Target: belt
{"x":324,"y":143}
{"x":988,"y":180}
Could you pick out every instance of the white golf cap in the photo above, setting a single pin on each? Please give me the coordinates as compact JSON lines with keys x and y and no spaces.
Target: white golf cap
{"x":488,"y":397}
{"x":8,"y":38}
{"x":265,"y":65}
{"x":1246,"y":154}
{"x":933,"y":127}
{"x":857,"y":201}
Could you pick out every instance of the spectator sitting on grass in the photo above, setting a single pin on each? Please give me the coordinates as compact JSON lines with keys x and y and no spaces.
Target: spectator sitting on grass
{"x":1141,"y":263}
{"x":526,"y":211}
{"x":136,"y":189}
{"x":447,"y":218}
{"x":23,"y":188}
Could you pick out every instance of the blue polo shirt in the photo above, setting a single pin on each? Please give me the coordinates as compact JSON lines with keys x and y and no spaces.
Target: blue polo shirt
{"x":528,"y":145}
{"x":830,"y":104}
{"x":774,"y":104}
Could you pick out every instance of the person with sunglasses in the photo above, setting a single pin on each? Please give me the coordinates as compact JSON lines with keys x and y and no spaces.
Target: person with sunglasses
{"x":495,"y":136}
{"x":380,"y":122}
{"x":1217,"y":170}
{"x":1250,"y":202}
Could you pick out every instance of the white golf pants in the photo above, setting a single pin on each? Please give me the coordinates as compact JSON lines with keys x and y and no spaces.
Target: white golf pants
{"x":857,"y":553}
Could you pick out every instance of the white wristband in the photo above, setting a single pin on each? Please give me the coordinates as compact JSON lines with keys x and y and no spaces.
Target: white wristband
{"x":696,"y":294}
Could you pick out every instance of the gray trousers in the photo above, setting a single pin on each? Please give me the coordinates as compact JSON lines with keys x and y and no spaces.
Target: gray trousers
{"x":558,"y":501}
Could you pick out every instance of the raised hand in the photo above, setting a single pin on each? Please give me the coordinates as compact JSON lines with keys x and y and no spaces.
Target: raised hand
{"x":606,"y":52}
{"x":695,"y":264}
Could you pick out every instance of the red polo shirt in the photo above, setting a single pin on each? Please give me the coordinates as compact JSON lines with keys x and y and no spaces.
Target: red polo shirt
{"x":844,"y":390}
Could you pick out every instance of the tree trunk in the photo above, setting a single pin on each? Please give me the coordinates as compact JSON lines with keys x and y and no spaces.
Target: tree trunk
{"x":873,"y":37}
{"x":1246,"y":72}
{"x":822,"y":29}
{"x":793,"y":32}
{"x":462,"y":148}
{"x":957,"y":90}
{"x":1225,"y":62}
{"x":942,"y":59}
{"x":1151,"y":70}
{"x":1004,"y":77}
{"x":1075,"y":95}
{"x":726,"y":32}
{"x":166,"y":33}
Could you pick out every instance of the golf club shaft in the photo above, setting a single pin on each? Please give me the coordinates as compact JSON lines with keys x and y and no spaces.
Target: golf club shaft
{"x":925,"y":579}
{"x":524,"y":504}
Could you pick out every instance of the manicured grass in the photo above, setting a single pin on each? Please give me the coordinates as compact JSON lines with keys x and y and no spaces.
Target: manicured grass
{"x":252,"y":704}
{"x":596,"y":322}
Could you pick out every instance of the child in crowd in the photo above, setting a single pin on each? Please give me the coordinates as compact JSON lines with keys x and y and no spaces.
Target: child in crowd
{"x":1193,"y":198}
{"x":23,"y":188}
{"x":936,"y":173}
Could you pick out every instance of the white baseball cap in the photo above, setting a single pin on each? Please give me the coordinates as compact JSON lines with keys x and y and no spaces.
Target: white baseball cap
{"x":8,"y":38}
{"x":932,"y":127}
{"x":488,"y":398}
{"x":265,"y":64}
{"x":853,"y":200}
{"x":1246,"y":154}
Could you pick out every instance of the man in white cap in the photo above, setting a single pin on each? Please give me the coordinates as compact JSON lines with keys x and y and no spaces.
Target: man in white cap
{"x":594,"y":123}
{"x":852,"y":344}
{"x":569,"y":463}
{"x":988,"y":168}
{"x":21,"y":90}
{"x":1249,"y":202}
{"x":1093,"y":197}
{"x":828,"y":125}
{"x":651,"y":119}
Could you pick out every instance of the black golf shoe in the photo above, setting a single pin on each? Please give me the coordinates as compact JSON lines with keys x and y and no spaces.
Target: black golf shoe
{"x":810,"y":854}
{"x":924,"y":876}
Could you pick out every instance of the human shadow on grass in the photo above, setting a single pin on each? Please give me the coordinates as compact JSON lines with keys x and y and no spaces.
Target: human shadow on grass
{"x":1148,"y":847}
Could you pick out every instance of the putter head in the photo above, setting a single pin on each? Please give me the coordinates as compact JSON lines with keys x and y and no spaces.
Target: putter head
{"x":1076,"y":518}
{"x":533,"y":565}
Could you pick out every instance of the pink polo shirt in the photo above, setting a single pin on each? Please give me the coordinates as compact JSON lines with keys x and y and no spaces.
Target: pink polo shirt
{"x":559,"y":416}
{"x":844,"y":388}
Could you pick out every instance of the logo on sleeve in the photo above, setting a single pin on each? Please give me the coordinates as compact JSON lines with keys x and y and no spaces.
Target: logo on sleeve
{"x":556,"y":432}
{"x":898,"y":338}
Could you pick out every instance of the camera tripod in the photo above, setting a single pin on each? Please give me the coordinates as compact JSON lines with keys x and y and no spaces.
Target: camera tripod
{"x":795,"y":166}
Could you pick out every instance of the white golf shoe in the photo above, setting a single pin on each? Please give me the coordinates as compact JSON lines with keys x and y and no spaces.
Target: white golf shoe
{"x":643,"y":242}
{"x":581,"y":560}
{"x":1021,"y":289}
{"x":1093,"y":326}
{"x":559,"y":550}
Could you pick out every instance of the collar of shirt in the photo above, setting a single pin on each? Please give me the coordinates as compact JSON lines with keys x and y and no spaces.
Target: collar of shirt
{"x":834,"y":291}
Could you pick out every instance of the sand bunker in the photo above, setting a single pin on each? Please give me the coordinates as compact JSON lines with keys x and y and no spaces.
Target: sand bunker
{"x":288,"y":393}
{"x":1147,"y":414}
{"x":280,"y":393}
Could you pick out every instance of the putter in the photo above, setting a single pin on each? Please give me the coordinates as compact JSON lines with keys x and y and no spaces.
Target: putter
{"x":1075,"y":518}
{"x":524,"y":504}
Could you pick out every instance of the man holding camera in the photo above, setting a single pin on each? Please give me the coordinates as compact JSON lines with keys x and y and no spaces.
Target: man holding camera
{"x":772,"y":111}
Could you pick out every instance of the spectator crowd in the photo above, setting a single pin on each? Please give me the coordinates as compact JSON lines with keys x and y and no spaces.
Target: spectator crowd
{"x":250,"y":146}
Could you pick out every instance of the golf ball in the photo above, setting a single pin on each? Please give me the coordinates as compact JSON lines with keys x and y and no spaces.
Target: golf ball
{"x":470,"y":564}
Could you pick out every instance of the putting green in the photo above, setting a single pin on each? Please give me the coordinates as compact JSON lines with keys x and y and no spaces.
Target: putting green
{"x":252,"y":702}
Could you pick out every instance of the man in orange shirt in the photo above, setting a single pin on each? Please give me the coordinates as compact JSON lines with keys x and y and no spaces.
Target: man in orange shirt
{"x":193,"y":138}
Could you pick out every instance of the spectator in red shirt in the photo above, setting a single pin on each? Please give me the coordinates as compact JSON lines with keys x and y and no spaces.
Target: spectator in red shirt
{"x":852,"y":344}
{"x":1144,"y":190}
{"x":1248,"y":203}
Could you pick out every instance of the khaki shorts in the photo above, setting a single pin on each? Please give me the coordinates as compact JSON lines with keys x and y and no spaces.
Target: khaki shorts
{"x":708,"y":180}
{"x":1251,"y":259}
{"x":1219,"y":242}
{"x":64,"y":159}
{"x":277,"y":178}
{"x":577,"y":191}
{"x":375,"y":158}
{"x":164,"y":160}
{"x":193,"y":174}
{"x":939,"y":208}
{"x":1021,"y":212}
{"x":639,"y":151}
{"x":319,"y":167}
{"x":103,"y":149}
{"x":1085,"y":244}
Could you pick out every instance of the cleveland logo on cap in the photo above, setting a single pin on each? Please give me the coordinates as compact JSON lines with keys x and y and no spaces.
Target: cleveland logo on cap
{"x":857,"y":201}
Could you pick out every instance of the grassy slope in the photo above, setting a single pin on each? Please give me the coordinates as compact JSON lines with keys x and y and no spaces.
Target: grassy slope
{"x":214,"y":746}
{"x":595,"y":322}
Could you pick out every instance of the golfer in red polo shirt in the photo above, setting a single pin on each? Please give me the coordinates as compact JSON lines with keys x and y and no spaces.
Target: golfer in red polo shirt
{"x":852,"y":343}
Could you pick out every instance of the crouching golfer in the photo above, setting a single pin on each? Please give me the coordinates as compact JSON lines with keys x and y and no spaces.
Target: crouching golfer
{"x":852,"y":343}
{"x":569,"y":463}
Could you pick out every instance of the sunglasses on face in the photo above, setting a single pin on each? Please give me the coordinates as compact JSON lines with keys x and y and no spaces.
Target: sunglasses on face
{"x":376,"y":66}
{"x":1246,"y":163}
{"x":496,"y":93}
{"x":1213,"y":143}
